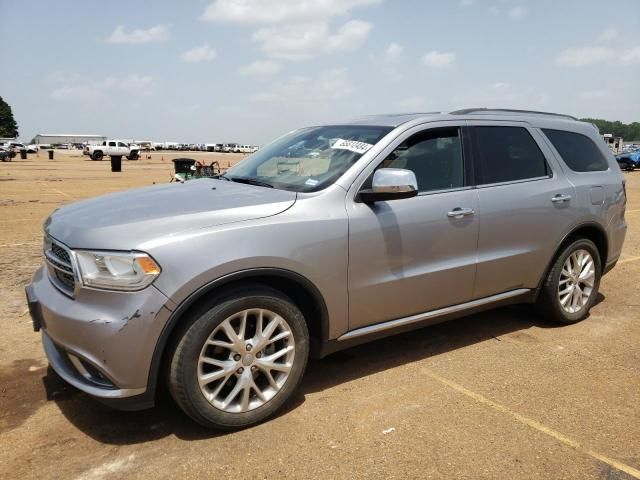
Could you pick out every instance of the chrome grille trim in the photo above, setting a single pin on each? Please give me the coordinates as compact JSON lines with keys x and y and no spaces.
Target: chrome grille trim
{"x":60,"y":266}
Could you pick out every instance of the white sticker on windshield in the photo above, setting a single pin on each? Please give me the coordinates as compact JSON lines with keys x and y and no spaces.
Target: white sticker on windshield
{"x":312,"y":182}
{"x":352,"y":146}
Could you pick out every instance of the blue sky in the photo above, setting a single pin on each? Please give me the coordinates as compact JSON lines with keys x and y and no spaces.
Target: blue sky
{"x":248,"y":70}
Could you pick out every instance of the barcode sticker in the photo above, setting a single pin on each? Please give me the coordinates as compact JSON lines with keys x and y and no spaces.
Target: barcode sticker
{"x":352,"y":146}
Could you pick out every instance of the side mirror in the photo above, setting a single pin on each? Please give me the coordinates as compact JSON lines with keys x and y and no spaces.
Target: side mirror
{"x":390,"y":184}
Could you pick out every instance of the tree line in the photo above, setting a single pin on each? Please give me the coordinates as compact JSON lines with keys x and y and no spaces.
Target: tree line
{"x":630,"y":132}
{"x":8,"y":126}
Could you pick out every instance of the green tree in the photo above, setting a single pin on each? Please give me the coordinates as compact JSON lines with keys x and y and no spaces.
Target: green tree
{"x":628,"y":131}
{"x":8,"y":125}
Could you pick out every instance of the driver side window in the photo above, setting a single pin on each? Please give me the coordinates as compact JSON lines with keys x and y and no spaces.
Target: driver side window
{"x":435,"y":156}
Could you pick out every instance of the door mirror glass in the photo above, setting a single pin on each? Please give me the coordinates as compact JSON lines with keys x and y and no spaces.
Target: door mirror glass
{"x":390,"y":184}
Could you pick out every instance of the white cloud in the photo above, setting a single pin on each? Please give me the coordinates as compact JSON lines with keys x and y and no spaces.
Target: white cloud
{"x":607,"y":35}
{"x":393,"y":53}
{"x":278,"y":11}
{"x":158,"y":33}
{"x":594,"y":94}
{"x":501,"y":95}
{"x":631,"y":56}
{"x":134,"y":84}
{"x":413,"y":104}
{"x":578,"y":57}
{"x":435,"y":59}
{"x":582,"y":56}
{"x":306,"y":40}
{"x":260,"y":68}
{"x":202,"y":53}
{"x":518,"y":12}
{"x":302,"y":91}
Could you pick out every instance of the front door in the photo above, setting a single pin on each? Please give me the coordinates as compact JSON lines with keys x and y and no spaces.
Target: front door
{"x":413,"y":255}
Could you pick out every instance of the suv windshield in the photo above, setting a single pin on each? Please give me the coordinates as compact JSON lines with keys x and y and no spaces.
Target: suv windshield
{"x":309,"y":159}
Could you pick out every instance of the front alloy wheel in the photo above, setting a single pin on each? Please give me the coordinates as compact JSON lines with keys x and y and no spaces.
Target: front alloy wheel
{"x":239,"y":358}
{"x":246,"y":360}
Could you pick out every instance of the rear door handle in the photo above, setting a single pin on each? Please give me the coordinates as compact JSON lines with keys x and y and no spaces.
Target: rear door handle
{"x":459,"y":212}
{"x":560,"y":198}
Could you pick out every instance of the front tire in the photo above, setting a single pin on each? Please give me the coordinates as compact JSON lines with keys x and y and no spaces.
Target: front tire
{"x":97,"y":155}
{"x":240,"y":359}
{"x":571,"y":286}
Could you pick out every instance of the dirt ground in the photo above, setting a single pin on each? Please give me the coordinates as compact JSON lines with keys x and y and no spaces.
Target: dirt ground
{"x":497,"y":395}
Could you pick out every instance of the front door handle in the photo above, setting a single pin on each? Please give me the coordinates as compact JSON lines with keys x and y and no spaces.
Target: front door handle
{"x":459,"y":212}
{"x":561,"y":198}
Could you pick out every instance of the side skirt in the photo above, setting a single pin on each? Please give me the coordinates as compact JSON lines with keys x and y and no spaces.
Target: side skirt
{"x":413,"y":322}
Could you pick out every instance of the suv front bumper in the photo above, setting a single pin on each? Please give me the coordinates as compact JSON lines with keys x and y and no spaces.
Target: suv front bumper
{"x":101,"y":342}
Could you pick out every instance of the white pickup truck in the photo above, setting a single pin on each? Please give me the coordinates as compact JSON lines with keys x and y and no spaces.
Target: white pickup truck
{"x":112,"y":148}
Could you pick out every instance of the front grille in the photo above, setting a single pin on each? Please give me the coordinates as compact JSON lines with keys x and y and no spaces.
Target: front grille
{"x":60,"y":266}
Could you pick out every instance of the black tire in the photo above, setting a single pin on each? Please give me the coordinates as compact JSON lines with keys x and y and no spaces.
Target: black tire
{"x":182,"y":371}
{"x":97,"y":155}
{"x":548,"y":302}
{"x":133,"y":156}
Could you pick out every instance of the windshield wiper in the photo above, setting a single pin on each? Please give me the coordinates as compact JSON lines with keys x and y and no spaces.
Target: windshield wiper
{"x":221,"y":176}
{"x":250,"y":181}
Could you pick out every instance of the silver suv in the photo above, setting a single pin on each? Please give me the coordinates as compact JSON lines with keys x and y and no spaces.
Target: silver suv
{"x":328,"y":237}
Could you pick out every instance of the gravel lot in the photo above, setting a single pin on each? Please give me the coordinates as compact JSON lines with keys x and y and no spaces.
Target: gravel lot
{"x":497,"y":395}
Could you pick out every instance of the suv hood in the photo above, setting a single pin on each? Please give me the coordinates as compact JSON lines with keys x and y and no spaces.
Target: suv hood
{"x":125,"y":220}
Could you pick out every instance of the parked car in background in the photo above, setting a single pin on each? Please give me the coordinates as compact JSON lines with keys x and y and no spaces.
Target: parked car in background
{"x":396,"y":222}
{"x":5,"y":155}
{"x":33,"y":148}
{"x":15,"y":146}
{"x":629,"y":160}
{"x":246,"y":149}
{"x":112,"y":148}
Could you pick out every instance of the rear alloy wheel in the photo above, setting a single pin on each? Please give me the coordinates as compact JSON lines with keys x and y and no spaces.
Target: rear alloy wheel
{"x":576,"y":281}
{"x":238,"y":362}
{"x":571,"y":286}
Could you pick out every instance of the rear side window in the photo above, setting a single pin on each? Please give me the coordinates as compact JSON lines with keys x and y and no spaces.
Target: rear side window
{"x":578,"y":151}
{"x":508,"y":154}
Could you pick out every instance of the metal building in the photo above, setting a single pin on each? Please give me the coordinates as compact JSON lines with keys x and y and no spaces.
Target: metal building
{"x":54,"y":139}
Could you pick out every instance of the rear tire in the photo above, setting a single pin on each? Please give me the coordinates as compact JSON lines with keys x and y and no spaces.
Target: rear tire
{"x":571,"y":286}
{"x":97,"y":155}
{"x":228,"y":370}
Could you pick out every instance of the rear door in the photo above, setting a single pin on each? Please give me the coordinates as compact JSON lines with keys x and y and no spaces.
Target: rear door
{"x":525,"y":205}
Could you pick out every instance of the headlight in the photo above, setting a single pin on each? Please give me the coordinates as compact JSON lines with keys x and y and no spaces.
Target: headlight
{"x":128,"y":271}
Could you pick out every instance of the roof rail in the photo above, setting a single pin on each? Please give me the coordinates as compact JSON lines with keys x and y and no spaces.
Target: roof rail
{"x":508,"y":110}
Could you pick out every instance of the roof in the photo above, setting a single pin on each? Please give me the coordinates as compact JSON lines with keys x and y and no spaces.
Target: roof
{"x":397,"y":119}
{"x":69,"y":135}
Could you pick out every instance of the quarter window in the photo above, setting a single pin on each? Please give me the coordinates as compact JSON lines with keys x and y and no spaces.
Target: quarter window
{"x":435,"y":156}
{"x":578,"y":151}
{"x":508,"y":154}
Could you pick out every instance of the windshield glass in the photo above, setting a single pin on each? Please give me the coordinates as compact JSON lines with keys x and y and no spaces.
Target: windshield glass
{"x":309,"y":159}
